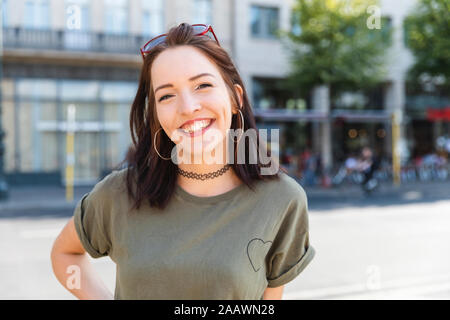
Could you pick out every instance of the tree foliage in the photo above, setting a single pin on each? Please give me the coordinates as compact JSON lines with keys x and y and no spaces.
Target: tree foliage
{"x":427,"y":31}
{"x":332,"y":44}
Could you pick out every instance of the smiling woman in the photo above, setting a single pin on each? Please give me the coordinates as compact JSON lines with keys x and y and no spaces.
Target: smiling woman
{"x":191,"y":230}
{"x":195,"y":105}
{"x":187,"y":77}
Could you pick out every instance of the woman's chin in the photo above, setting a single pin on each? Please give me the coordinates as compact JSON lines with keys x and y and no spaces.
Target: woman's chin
{"x":206,"y":153}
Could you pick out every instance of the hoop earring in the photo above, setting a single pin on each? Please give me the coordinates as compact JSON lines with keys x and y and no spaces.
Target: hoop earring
{"x":154,"y":143}
{"x":242,"y":124}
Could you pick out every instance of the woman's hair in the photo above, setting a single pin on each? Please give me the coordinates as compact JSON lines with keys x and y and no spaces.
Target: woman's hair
{"x":148,"y":176}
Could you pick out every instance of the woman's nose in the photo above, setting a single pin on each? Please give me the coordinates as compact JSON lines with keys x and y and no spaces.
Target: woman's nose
{"x":188,"y":104}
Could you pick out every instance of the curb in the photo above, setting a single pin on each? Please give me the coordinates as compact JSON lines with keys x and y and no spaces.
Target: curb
{"x":38,"y":206}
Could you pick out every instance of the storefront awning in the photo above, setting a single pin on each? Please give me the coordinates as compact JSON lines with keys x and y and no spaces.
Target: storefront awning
{"x":315,"y":116}
{"x":290,"y":115}
{"x":438,"y":114}
{"x":375,"y":116}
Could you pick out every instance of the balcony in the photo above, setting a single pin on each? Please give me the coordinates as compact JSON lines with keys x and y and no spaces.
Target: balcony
{"x":376,"y":116}
{"x":71,"y":41}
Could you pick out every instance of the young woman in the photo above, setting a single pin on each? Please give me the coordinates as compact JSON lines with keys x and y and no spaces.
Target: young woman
{"x":191,"y":229}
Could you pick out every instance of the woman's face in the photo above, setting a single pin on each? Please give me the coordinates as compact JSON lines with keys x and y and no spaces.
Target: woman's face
{"x":188,"y":86}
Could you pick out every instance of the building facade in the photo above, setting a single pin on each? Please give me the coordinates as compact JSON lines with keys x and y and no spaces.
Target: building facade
{"x":85,"y":53}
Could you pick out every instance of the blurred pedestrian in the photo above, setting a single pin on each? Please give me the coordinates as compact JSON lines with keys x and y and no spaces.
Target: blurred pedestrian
{"x":368,"y":165}
{"x":351,"y":163}
{"x":309,"y":166}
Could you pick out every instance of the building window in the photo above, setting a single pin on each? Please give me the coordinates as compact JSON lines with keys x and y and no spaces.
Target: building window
{"x":116,"y":16}
{"x":77,"y":15}
{"x":406,"y":34}
{"x":386,"y":29}
{"x":77,"y":24}
{"x":35,"y":150}
{"x":366,"y":99}
{"x":116,"y":98}
{"x":296,"y":28}
{"x":264,"y":21}
{"x":5,"y":20}
{"x":152,"y":17}
{"x":35,"y":115}
{"x":271,"y":93}
{"x":36,"y":14}
{"x":202,"y":11}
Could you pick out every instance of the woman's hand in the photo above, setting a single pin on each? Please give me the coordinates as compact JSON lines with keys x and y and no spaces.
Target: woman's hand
{"x":273,"y":293}
{"x":70,"y":262}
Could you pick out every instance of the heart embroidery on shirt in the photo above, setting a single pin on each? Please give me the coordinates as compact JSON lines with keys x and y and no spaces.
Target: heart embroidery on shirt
{"x":257,"y":248}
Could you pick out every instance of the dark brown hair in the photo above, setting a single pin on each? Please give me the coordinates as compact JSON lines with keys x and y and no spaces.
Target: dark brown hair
{"x":153,"y":179}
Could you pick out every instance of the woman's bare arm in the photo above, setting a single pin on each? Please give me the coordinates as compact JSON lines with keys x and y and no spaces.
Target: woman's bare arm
{"x":273,"y":293}
{"x":73,"y":269}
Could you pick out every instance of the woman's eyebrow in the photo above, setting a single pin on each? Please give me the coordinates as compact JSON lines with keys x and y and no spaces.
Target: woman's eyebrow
{"x":169,"y":85}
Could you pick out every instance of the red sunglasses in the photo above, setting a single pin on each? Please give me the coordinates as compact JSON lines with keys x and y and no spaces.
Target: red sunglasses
{"x":199,"y":30}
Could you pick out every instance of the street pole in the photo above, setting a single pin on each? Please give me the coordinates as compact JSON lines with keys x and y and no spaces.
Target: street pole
{"x":395,"y":153}
{"x":70,"y":157}
{"x":3,"y":183}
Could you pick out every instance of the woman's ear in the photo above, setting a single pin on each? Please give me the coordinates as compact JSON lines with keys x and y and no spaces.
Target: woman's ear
{"x":240,"y":94}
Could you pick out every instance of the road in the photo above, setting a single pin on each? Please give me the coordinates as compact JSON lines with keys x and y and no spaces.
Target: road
{"x":388,"y":252}
{"x":386,"y":247}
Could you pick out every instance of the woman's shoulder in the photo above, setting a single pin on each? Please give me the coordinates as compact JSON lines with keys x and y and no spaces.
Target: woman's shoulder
{"x":284,"y":198}
{"x":286,"y":188}
{"x":112,"y":185}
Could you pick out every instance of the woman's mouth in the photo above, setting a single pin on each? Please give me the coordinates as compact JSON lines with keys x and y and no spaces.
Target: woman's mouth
{"x":197,"y":129}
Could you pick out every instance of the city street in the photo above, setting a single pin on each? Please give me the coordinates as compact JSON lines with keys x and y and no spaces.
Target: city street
{"x":345,"y":95}
{"x":393,"y":245}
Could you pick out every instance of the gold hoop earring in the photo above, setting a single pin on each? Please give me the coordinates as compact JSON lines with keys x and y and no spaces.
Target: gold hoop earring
{"x":242,"y":124}
{"x":154,"y":143}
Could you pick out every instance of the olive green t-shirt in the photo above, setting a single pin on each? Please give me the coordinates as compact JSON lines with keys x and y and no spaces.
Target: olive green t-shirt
{"x":229,"y":246}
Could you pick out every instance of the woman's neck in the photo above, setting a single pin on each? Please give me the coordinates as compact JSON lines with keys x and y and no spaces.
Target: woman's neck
{"x":208,"y":187}
{"x":212,"y":186}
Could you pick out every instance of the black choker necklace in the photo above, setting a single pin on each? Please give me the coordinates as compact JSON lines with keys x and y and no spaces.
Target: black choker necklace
{"x":204,"y":176}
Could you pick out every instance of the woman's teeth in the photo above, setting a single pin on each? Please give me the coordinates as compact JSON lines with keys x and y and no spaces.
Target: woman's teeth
{"x":197,"y":125}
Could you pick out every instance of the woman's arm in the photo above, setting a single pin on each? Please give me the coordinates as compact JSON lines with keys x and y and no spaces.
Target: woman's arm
{"x":73,"y":269}
{"x":273,"y":293}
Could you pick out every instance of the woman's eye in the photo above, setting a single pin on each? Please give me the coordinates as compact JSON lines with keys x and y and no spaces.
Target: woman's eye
{"x":204,"y":85}
{"x":201,"y":86}
{"x":167,"y":96}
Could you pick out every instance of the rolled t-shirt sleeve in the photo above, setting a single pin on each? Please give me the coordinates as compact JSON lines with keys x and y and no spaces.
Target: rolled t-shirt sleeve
{"x":92,"y":219}
{"x":290,"y":251}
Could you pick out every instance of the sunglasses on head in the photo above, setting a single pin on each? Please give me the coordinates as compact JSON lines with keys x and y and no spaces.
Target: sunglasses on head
{"x":199,"y":30}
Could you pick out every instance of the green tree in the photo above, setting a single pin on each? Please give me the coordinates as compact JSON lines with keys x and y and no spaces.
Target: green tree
{"x":427,"y":31}
{"x":332,"y":43}
{"x":339,"y":44}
